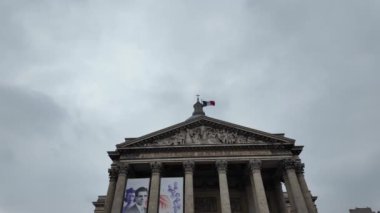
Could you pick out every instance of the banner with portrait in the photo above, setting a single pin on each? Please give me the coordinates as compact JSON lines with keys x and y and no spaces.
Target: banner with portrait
{"x":171,"y":195}
{"x":136,"y":195}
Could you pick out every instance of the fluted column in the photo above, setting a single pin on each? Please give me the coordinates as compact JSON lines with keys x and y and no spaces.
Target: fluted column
{"x":258,"y":186}
{"x":189,"y":190}
{"x":113,"y":171}
{"x":293,"y":187}
{"x":223,"y":186}
{"x":117,"y":203}
{"x":154,"y":187}
{"x":305,"y":190}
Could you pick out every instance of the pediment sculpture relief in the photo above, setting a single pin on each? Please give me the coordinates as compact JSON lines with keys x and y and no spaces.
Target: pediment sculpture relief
{"x":205,"y":135}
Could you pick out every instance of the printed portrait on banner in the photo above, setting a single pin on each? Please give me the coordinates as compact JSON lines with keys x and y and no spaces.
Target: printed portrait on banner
{"x":136,"y":195}
{"x":171,"y":195}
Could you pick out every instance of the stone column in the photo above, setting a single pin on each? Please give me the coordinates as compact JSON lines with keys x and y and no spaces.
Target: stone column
{"x":258,"y":187}
{"x":189,"y":190}
{"x":293,"y":187}
{"x":279,"y":196}
{"x":223,"y":186}
{"x":290,"y":193}
{"x":154,"y":187}
{"x":111,"y":189}
{"x":250,"y":197}
{"x":117,"y":203}
{"x":305,"y":190}
{"x":271,"y":197}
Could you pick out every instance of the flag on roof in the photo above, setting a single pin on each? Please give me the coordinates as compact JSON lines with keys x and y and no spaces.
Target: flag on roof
{"x":208,"y":103}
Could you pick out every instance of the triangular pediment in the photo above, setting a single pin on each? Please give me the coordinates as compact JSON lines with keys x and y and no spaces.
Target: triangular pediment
{"x":204,"y":130}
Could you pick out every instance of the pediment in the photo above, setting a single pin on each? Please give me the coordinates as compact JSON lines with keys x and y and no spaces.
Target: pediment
{"x":204,"y":130}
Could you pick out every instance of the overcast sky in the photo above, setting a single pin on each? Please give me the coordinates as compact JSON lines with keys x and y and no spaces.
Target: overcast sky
{"x":76,"y":77}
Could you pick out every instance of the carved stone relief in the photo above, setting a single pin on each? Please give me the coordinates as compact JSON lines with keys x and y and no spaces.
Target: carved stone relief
{"x":205,"y":135}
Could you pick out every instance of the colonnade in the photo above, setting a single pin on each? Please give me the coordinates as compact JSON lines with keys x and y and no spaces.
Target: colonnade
{"x":292,"y":175}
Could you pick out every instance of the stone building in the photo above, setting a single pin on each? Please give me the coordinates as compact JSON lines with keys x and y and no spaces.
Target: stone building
{"x":362,"y":210}
{"x":206,"y":165}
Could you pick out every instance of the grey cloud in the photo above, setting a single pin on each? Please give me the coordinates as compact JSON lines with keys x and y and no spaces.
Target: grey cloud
{"x":39,"y":143}
{"x":78,"y":76}
{"x":27,"y":111}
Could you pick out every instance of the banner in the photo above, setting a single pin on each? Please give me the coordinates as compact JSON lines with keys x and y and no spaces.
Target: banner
{"x":171,"y":195}
{"x":136,"y":195}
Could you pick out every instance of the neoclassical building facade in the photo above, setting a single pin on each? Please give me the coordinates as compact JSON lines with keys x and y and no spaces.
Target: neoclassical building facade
{"x":206,"y":165}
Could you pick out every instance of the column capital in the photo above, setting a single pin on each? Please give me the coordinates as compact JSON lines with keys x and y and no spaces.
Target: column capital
{"x":113,"y":172}
{"x":300,"y":167}
{"x":188,"y":166}
{"x":155,"y":166}
{"x":123,"y":168}
{"x":255,"y":165}
{"x":288,"y":164}
{"x":221,"y":165}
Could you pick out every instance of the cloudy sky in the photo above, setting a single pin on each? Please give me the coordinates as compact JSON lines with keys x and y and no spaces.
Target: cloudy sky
{"x":76,"y":77}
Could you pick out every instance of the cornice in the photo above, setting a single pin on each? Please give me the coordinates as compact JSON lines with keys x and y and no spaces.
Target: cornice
{"x":127,"y":150}
{"x":114,"y":155}
{"x":296,"y":150}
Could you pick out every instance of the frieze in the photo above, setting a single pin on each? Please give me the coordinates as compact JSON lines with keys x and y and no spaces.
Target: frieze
{"x":182,"y":154}
{"x":205,"y":135}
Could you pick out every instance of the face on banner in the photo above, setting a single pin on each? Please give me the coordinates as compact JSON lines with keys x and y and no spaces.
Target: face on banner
{"x":171,"y":195}
{"x":136,"y":195}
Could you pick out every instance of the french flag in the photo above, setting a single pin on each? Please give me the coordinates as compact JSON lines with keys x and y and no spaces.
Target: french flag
{"x":208,"y":103}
